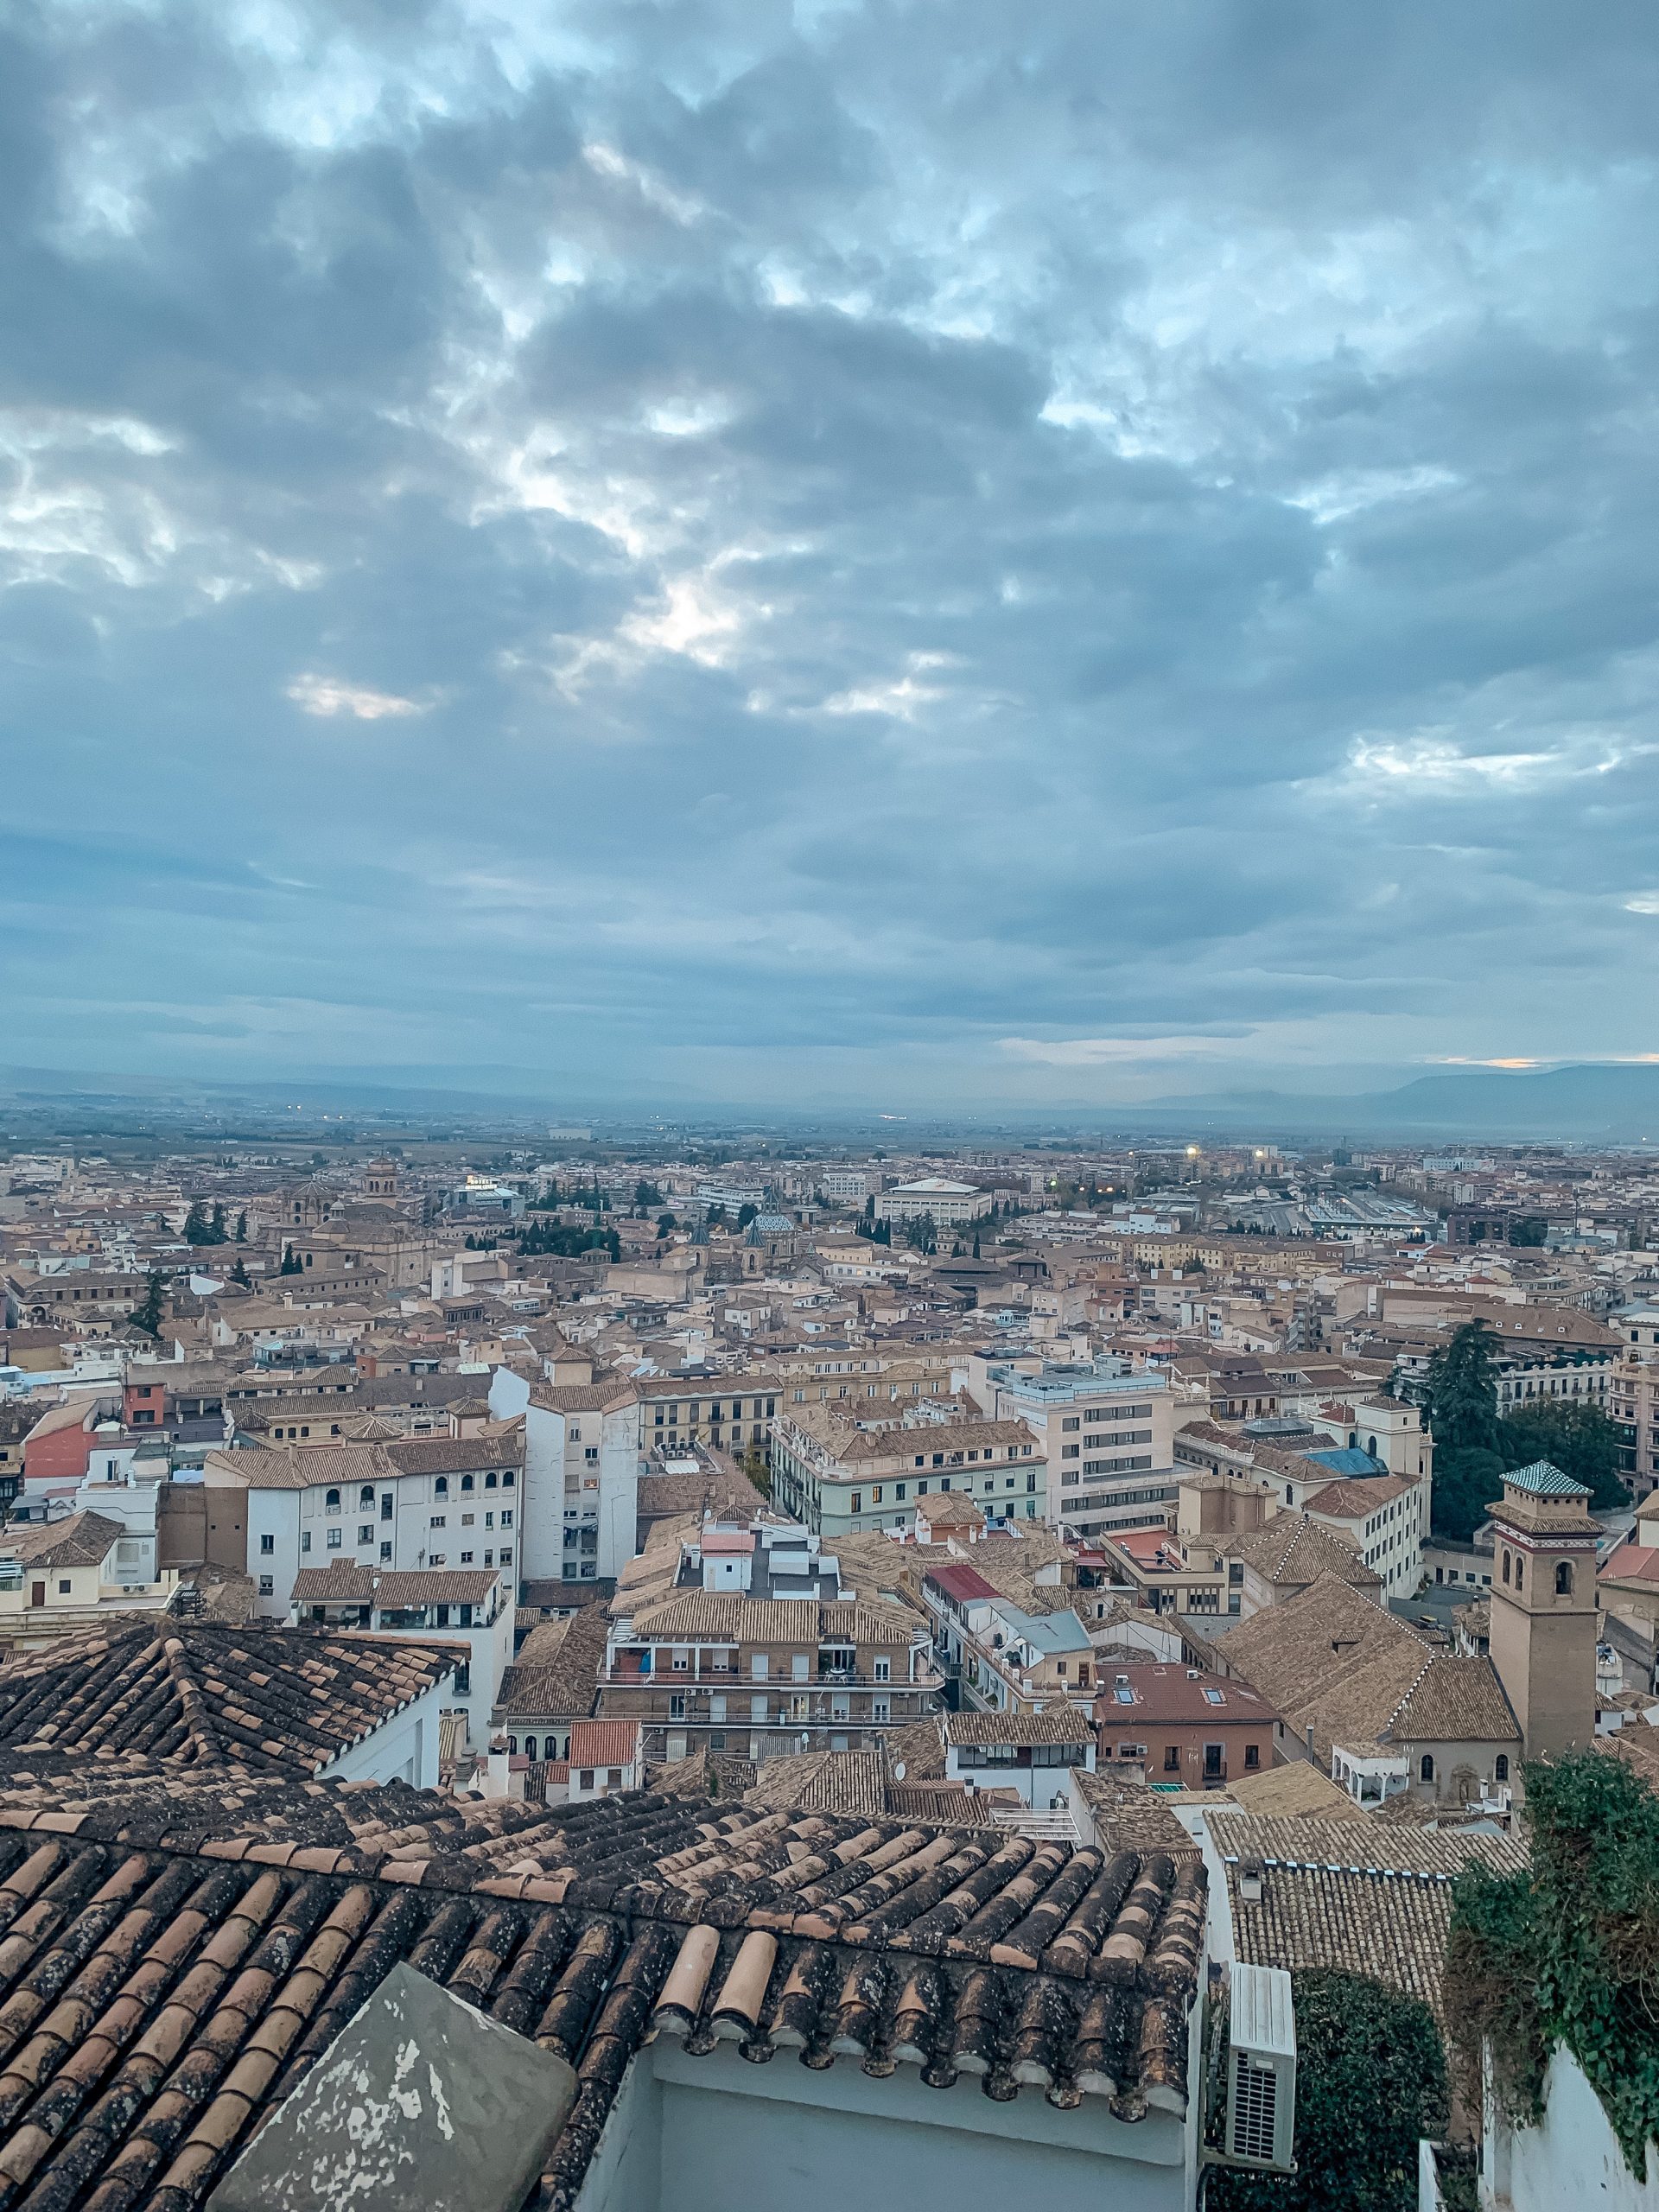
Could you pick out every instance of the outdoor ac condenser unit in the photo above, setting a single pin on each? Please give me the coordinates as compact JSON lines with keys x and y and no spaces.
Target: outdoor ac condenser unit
{"x":1260,"y":2068}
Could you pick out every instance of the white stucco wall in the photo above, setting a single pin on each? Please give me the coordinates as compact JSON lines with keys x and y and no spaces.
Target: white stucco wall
{"x":708,"y":2133}
{"x":1572,"y":2158}
{"x":405,"y":1749}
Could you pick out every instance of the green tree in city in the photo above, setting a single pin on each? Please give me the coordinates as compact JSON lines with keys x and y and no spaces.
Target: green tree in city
{"x":746,"y":1214}
{"x":1370,"y":2081}
{"x":217,"y":1233}
{"x":646,"y":1195}
{"x":196,"y":1228}
{"x":1575,"y":1436}
{"x":147,"y":1316}
{"x":240,"y":1275}
{"x":666,"y":1224}
{"x":242,"y":1226}
{"x":1461,"y":1391}
{"x":1532,"y":1229}
{"x":292,"y":1263}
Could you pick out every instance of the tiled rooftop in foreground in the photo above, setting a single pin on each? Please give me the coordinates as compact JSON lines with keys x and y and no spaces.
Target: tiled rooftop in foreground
{"x":176,"y":1958}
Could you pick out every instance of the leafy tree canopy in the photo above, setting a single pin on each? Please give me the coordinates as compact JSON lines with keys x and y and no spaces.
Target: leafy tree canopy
{"x":1370,"y":2079}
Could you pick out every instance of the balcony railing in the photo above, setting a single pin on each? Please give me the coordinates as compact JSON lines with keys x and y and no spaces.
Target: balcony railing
{"x":729,"y":1679}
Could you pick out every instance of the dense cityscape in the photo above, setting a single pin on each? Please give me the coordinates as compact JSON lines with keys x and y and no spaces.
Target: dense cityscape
{"x":829,"y":1106}
{"x":1020,"y":1558}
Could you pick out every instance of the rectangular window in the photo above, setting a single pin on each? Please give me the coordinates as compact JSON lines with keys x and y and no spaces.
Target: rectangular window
{"x":856,"y":1501}
{"x":757,"y":1708}
{"x":717,"y":1706}
{"x":465,"y":1559}
{"x":333,"y":1540}
{"x":506,"y":1517}
{"x":1172,"y":1758}
{"x":883,"y":1671}
{"x":880,"y":1708}
{"x":386,"y":1505}
{"x":759,"y":1665}
{"x":365,"y":1534}
{"x":267,"y":1545}
{"x":677,"y":1706}
{"x":267,"y":1586}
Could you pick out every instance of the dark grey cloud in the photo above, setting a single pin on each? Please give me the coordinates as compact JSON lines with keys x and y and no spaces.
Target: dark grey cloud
{"x":812,"y":549}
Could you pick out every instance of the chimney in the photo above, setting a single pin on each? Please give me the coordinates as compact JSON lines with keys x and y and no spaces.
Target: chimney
{"x":1310,"y":1741}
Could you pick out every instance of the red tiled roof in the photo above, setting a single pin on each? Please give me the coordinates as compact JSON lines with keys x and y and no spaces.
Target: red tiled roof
{"x":604,"y":1743}
{"x":960,"y":1582}
{"x":1632,"y":1563}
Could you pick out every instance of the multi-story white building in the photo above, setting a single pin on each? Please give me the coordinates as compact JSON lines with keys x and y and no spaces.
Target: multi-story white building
{"x":936,"y":1198}
{"x":846,"y":1187}
{"x":470,"y":1609}
{"x":1633,"y":1402}
{"x":1107,"y":1432}
{"x":582,"y":1459}
{"x":430,"y":1502}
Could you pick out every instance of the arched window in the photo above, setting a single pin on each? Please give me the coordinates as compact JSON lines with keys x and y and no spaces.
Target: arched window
{"x":489,"y":1482}
{"x":366,"y":1495}
{"x":1563,"y":1579}
{"x":1426,"y":1767}
{"x":506,"y":1480}
{"x":467,"y":1483}
{"x":1501,"y":1766}
{"x":441,"y":1488}
{"x":1506,"y":1566}
{"x":513,"y":1746}
{"x":529,"y":1747}
{"x":1370,"y":1445}
{"x":331,"y":1500}
{"x":1520,"y":1569}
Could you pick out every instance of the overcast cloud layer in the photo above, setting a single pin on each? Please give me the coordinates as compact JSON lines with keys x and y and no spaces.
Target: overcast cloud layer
{"x":948,"y":550}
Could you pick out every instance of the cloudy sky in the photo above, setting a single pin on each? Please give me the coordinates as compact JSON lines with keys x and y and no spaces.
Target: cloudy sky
{"x":943,"y":551}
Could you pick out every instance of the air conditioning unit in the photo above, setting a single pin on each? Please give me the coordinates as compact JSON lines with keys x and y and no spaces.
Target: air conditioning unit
{"x":1260,"y":2068}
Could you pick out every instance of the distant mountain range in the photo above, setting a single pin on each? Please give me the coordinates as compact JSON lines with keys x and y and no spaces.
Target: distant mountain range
{"x":1589,"y":1103}
{"x":1614,"y":1104}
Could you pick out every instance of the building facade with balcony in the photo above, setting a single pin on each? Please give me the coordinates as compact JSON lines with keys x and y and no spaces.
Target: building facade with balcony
{"x":1002,"y":1658}
{"x":842,"y":1473}
{"x":430,"y":1502}
{"x":719,"y":1671}
{"x":1182,"y":1727}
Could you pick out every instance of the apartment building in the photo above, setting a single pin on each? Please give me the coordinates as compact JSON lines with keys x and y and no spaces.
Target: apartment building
{"x":1384,"y":1517}
{"x":1633,"y":1400}
{"x":721,"y":1671}
{"x":1004,"y":1658}
{"x":842,"y":1473}
{"x":1183,"y":1727}
{"x":1107,"y":1432}
{"x":469,"y":1610}
{"x":581,"y":1473}
{"x":846,"y":1187}
{"x":1032,"y":1753}
{"x":431,"y":1502}
{"x":731,"y":1412}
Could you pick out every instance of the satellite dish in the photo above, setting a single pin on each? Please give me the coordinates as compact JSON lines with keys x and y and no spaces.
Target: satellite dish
{"x":899,"y":1769}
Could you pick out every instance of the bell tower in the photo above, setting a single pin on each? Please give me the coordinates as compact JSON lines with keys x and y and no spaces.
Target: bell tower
{"x":1543,"y":1626}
